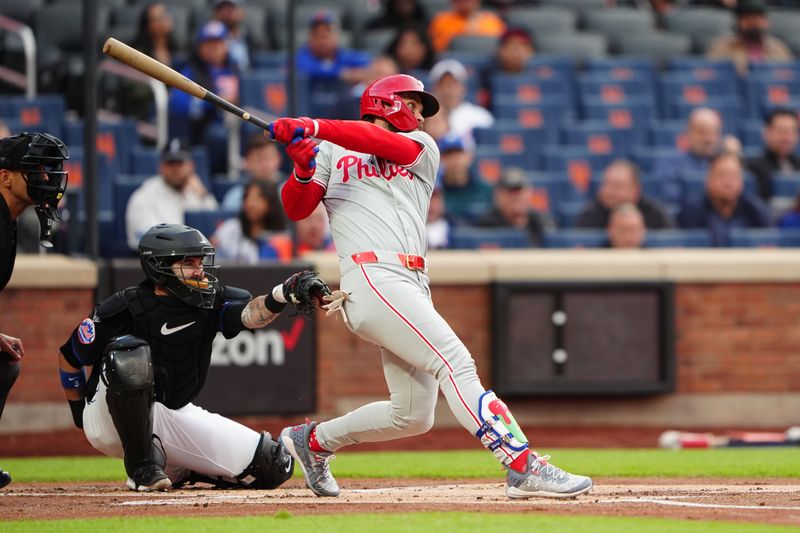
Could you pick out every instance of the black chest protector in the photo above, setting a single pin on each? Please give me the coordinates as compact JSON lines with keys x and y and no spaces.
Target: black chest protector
{"x":180,"y":338}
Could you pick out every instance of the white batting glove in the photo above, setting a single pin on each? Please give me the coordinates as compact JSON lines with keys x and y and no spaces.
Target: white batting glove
{"x":335,"y":303}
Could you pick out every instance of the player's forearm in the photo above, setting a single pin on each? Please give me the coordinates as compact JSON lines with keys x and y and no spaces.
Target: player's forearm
{"x":368,"y":138}
{"x":262,"y":310}
{"x":300,"y":199}
{"x":73,"y":381}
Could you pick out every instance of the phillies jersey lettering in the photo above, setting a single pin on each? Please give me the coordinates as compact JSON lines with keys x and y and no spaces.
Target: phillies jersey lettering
{"x":375,"y":204}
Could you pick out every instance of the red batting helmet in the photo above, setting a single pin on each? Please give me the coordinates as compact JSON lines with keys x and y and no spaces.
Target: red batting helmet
{"x":381,"y":99}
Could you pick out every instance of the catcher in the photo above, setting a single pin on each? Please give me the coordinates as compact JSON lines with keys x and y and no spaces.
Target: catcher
{"x":132,"y":368}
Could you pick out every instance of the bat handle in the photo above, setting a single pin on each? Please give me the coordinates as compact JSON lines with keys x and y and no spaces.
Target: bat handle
{"x":238,"y":111}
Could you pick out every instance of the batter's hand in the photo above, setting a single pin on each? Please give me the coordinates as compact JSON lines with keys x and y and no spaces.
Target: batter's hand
{"x":284,"y":130}
{"x":334,"y":303}
{"x":303,"y":152}
{"x":12,"y":346}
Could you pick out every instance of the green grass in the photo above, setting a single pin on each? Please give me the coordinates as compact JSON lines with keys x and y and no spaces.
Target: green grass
{"x":746,"y":463}
{"x":390,"y":523}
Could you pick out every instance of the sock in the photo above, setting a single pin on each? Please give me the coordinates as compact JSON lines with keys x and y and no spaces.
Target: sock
{"x":520,"y":464}
{"x":313,"y":444}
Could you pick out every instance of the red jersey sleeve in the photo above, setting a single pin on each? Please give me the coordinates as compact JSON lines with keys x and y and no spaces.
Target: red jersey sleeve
{"x":368,"y":138}
{"x":300,"y":199}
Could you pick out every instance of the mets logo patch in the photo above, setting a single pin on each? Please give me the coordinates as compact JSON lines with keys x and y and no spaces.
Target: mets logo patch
{"x":86,"y":331}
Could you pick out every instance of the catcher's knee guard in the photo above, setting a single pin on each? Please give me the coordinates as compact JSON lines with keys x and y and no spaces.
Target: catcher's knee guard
{"x":9,"y":370}
{"x":128,"y":375}
{"x":271,"y":466}
{"x":499,"y":429}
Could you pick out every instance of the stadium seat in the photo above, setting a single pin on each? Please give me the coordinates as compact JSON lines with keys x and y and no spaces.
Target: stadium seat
{"x":266,"y":90}
{"x":463,"y":237}
{"x":490,"y":161}
{"x":547,"y":66}
{"x":703,"y":69}
{"x":530,"y":88}
{"x":681,"y":88}
{"x":45,"y":112}
{"x":115,"y":140}
{"x":21,"y":11}
{"x":657,"y":46}
{"x":728,"y":107}
{"x":580,"y":163}
{"x":548,"y":113}
{"x":599,"y":137}
{"x":208,"y":221}
{"x":668,"y":134}
{"x":646,"y":156}
{"x":613,"y":91}
{"x":512,"y":139}
{"x":764,"y":94}
{"x":221,"y":184}
{"x":575,"y":238}
{"x":473,"y":43}
{"x":581,"y":47}
{"x":751,"y":133}
{"x":786,"y":185}
{"x":268,"y":60}
{"x":788,"y":71}
{"x":580,"y":6}
{"x":700,"y":24}
{"x":567,"y":212}
{"x":546,"y":19}
{"x":123,"y":188}
{"x":635,"y":114}
{"x":623,"y":68}
{"x":755,"y":237}
{"x":617,"y":22}
{"x":678,"y":238}
{"x":375,"y":41}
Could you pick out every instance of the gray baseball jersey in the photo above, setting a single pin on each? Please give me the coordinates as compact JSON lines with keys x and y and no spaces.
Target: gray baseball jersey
{"x":374,"y":204}
{"x":379,"y":206}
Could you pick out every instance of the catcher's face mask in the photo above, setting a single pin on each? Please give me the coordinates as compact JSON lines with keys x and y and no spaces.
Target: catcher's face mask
{"x":191,"y":278}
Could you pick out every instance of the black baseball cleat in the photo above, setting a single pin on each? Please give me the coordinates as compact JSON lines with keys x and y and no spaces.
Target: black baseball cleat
{"x":149,"y":477}
{"x":5,"y":478}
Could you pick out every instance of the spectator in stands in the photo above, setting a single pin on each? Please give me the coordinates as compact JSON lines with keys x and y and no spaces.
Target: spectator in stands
{"x":412,"y":50}
{"x":704,"y":140}
{"x":752,"y":42}
{"x":192,"y":118}
{"x":514,"y":52}
{"x":400,"y":14}
{"x":725,"y":204}
{"x":165,"y":197}
{"x":436,"y":126}
{"x":259,"y":232}
{"x":464,"y":18}
{"x":4,"y":130}
{"x":322,"y":59}
{"x":154,"y":33}
{"x":449,"y":81}
{"x":780,"y":145}
{"x":791,"y":218}
{"x":621,"y":185}
{"x":438,"y":224}
{"x":232,"y":14}
{"x":512,"y":207}
{"x":380,"y":67}
{"x":313,"y":232}
{"x":262,"y":162}
{"x":626,"y":227}
{"x":466,"y":194}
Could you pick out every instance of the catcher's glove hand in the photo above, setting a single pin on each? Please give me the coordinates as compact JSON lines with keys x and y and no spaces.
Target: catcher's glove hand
{"x":305,"y":290}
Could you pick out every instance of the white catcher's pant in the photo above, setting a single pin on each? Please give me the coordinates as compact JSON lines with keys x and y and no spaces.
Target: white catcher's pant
{"x":191,"y":438}
{"x":391,"y":306}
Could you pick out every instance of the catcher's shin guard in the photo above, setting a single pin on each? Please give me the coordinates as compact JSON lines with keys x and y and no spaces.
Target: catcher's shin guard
{"x":128,"y":375}
{"x":9,"y":370}
{"x":499,"y":432}
{"x":271,"y":466}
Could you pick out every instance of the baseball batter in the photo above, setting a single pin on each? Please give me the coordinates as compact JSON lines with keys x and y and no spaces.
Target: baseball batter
{"x":375,"y":178}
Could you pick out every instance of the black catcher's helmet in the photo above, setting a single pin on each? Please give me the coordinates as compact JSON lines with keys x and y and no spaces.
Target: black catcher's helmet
{"x":40,"y":157}
{"x":164,"y":245}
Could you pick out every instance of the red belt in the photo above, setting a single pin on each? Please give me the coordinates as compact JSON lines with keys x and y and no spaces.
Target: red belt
{"x":411,"y":262}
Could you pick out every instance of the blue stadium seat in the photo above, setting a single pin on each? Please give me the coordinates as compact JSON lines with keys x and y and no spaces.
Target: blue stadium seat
{"x":635,"y":114}
{"x":703,"y":69}
{"x":727,"y":106}
{"x":623,"y":68}
{"x":266,"y":90}
{"x":115,"y":140}
{"x":575,"y":238}
{"x":567,"y":212}
{"x":646,"y":156}
{"x":268,"y":59}
{"x":463,"y":237}
{"x":668,"y":133}
{"x":145,"y":161}
{"x":220,"y":185}
{"x":490,"y":162}
{"x":788,"y":71}
{"x":577,"y":161}
{"x":513,"y":140}
{"x":43,"y":113}
{"x":680,"y":89}
{"x":599,"y":137}
{"x":786,"y":185}
{"x":751,"y":133}
{"x":123,"y":188}
{"x":678,"y":238}
{"x":755,"y":237}
{"x":531,"y":88}
{"x":764,"y":94}
{"x":600,"y":86}
{"x":560,"y":189}
{"x":207,"y":222}
{"x":106,"y":174}
{"x":550,"y":113}
{"x":546,"y":66}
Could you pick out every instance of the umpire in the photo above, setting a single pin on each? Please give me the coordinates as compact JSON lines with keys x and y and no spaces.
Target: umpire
{"x":31,"y":173}
{"x":146,"y":352}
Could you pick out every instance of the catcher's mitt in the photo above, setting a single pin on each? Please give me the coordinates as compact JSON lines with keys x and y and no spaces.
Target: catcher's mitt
{"x":305,"y":290}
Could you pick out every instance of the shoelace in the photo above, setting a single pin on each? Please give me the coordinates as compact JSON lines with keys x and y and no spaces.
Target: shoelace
{"x":546,"y":468}
{"x":323,"y":460}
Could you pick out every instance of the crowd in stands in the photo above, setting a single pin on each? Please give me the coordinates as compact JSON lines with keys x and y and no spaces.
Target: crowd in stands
{"x":669,"y":130}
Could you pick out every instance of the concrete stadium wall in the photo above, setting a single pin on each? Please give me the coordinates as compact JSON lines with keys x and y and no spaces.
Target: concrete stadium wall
{"x":737,"y":321}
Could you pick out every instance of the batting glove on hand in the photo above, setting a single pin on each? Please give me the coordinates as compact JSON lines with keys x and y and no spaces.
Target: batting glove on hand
{"x":303,"y":152}
{"x":284,"y":130}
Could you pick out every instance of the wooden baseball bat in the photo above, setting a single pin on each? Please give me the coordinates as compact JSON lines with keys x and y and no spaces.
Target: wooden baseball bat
{"x":155,"y":69}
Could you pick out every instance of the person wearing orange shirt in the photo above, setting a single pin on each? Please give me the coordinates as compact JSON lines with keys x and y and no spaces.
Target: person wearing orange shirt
{"x":465,"y":18}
